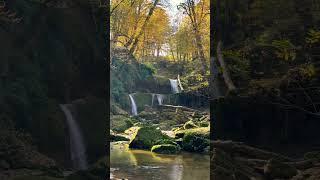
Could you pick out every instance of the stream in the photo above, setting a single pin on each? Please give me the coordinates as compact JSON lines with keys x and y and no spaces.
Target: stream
{"x":140,"y":164}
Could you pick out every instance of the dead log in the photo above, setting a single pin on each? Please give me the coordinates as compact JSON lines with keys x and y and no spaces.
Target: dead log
{"x":242,"y":150}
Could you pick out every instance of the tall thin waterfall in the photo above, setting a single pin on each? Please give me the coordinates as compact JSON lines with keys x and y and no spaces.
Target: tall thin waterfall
{"x":160,"y":99}
{"x":77,"y":147}
{"x":133,"y":106}
{"x":174,"y":85}
{"x":152,"y":101}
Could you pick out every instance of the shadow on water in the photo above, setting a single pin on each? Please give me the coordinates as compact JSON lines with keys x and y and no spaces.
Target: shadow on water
{"x":139,"y":164}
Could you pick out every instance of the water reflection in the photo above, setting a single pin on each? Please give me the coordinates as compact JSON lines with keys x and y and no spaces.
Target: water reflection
{"x":141,"y":165}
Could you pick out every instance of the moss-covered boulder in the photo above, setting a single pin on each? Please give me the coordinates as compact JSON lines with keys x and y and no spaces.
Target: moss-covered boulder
{"x":146,"y":137}
{"x":165,"y":149}
{"x":196,"y":140}
{"x":203,"y":124}
{"x":117,"y":137}
{"x":189,"y":125}
{"x":120,"y":123}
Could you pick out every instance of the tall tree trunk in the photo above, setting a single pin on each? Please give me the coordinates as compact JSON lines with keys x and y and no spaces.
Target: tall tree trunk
{"x":136,"y":39}
{"x":172,"y":55}
{"x":225,"y":73}
{"x":201,"y":51}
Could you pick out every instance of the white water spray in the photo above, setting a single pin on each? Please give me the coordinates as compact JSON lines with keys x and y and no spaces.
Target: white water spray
{"x":174,"y":85}
{"x":152,"y":101}
{"x":133,"y":106}
{"x":77,"y":147}
{"x":160,"y":99}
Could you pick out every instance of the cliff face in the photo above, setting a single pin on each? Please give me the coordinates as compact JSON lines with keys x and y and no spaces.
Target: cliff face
{"x":51,"y":52}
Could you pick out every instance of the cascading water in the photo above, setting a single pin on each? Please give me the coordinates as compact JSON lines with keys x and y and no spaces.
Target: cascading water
{"x":160,"y":99}
{"x":77,"y":147}
{"x":133,"y":106}
{"x":174,"y":85}
{"x":152,"y":101}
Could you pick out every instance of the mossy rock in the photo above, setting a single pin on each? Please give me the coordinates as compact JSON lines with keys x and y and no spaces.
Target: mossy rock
{"x":204,"y":124}
{"x":146,"y":137}
{"x":275,"y":169}
{"x":147,"y":115}
{"x":166,"y":141}
{"x":116,"y":109}
{"x":120,"y":123}
{"x":196,"y":140}
{"x":204,"y":131}
{"x":117,"y":137}
{"x":165,"y":149}
{"x":142,"y":100}
{"x":189,"y":125}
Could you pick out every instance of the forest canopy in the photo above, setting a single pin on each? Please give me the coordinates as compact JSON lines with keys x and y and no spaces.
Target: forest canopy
{"x":162,"y":30}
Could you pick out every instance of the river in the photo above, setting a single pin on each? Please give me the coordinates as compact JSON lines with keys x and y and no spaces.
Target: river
{"x":145,"y":165}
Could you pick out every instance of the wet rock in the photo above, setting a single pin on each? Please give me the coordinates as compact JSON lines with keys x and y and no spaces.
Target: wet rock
{"x":146,"y":137}
{"x":195,"y":141}
{"x":119,"y":123}
{"x":117,"y":137}
{"x":166,"y":149}
{"x":189,"y":125}
{"x":276,"y":169}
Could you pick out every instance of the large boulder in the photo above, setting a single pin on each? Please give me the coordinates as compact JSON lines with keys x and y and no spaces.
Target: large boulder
{"x":165,"y":149}
{"x":146,"y":137}
{"x":196,"y":140}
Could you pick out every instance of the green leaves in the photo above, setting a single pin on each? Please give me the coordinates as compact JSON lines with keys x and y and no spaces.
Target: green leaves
{"x":285,"y":50}
{"x":313,"y":37}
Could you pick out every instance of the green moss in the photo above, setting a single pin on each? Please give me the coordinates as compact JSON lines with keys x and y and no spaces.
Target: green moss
{"x":204,"y":124}
{"x":203,"y":131}
{"x":120,"y":123}
{"x":196,"y":140}
{"x":165,"y":149}
{"x":189,"y":125}
{"x":116,"y":137}
{"x":166,"y":141}
{"x":146,"y":137}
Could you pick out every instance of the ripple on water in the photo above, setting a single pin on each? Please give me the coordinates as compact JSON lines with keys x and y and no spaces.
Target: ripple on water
{"x":139,"y":165}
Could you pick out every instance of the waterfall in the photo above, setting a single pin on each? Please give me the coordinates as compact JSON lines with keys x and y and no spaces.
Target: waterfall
{"x":160,"y":98}
{"x":77,"y":147}
{"x":152,"y":99}
{"x":174,"y":85}
{"x":133,"y":106}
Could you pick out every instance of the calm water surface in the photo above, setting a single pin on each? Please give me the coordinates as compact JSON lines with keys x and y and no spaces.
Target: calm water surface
{"x":145,"y":165}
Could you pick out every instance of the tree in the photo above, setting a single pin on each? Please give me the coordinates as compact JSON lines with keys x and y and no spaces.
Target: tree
{"x":225,"y":72}
{"x":197,"y":15}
